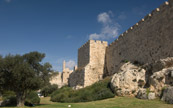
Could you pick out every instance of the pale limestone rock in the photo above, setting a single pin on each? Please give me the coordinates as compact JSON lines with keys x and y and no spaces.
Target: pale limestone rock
{"x":161,"y":79}
{"x":151,"y":96}
{"x":128,"y":80}
{"x":142,"y":94}
{"x":168,"y":95}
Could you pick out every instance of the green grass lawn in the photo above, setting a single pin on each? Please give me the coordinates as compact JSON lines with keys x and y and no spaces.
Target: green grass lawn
{"x":117,"y":102}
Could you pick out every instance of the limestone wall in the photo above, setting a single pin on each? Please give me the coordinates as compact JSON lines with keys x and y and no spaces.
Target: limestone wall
{"x":148,"y":40}
{"x":56,"y":79}
{"x":83,"y":55}
{"x":91,"y":59}
{"x":65,"y":74}
{"x":76,"y":79}
{"x":95,"y":69}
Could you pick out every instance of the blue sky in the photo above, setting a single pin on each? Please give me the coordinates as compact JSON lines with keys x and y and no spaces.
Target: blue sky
{"x":59,"y":27}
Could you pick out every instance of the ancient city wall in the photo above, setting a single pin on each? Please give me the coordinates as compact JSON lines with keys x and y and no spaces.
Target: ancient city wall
{"x":91,"y":59}
{"x":148,"y":40}
{"x":56,"y":79}
{"x":95,"y":69}
{"x":65,"y":74}
{"x":83,"y":55}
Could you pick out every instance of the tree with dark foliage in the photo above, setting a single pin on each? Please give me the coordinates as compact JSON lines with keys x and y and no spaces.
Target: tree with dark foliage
{"x":23,"y":74}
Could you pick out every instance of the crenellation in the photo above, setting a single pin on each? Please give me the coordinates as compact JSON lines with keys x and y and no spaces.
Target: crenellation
{"x":157,"y":9}
{"x":166,"y":3}
{"x":104,"y":42}
{"x":153,"y":30}
{"x":91,"y":41}
{"x":143,"y":19}
{"x":147,"y":17}
{"x":98,"y":41}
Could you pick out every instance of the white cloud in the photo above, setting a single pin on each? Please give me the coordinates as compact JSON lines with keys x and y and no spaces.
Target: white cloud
{"x":70,"y":64}
{"x":94,"y":36}
{"x":8,"y":1}
{"x":104,"y":18}
{"x":110,"y":28}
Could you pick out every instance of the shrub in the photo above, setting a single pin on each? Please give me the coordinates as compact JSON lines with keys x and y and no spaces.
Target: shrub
{"x":32,"y":98}
{"x":47,"y":90}
{"x":97,"y":91}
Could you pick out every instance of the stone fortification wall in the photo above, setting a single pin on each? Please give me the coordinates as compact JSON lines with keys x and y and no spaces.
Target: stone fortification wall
{"x":91,"y":59}
{"x":95,"y":69}
{"x":56,"y":79}
{"x":65,"y":74}
{"x":147,"y":41}
{"x":76,"y":79}
{"x":83,"y":55}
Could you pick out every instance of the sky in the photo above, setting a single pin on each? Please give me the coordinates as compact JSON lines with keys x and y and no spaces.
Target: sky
{"x":59,"y":27}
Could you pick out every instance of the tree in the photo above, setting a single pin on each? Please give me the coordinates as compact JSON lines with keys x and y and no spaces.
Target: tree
{"x":49,"y":89}
{"x":23,"y":74}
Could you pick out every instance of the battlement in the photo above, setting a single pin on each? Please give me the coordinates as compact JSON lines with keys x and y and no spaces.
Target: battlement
{"x":148,"y":40}
{"x":94,"y":41}
{"x":85,"y":51}
{"x":147,"y":18}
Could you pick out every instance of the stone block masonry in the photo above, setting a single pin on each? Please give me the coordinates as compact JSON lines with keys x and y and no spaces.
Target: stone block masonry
{"x":65,"y":74}
{"x":91,"y":59}
{"x":147,"y":41}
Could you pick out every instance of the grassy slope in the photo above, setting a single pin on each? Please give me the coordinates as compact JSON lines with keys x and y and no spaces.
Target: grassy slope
{"x":118,"y":102}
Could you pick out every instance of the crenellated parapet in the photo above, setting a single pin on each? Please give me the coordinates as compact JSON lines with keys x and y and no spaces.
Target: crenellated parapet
{"x":147,"y":41}
{"x":147,"y":18}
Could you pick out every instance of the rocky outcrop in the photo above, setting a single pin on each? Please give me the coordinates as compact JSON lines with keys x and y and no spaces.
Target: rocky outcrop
{"x":142,"y":94}
{"x":161,"y":79}
{"x":151,"y":95}
{"x":162,"y":75}
{"x":128,"y":80}
{"x":145,"y":94}
{"x":168,"y":95}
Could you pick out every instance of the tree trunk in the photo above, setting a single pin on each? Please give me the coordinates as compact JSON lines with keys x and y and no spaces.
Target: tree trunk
{"x":20,"y":99}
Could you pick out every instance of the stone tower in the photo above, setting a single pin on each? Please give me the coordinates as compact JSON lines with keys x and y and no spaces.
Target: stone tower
{"x":65,"y":73}
{"x":91,"y":61}
{"x":63,"y":68}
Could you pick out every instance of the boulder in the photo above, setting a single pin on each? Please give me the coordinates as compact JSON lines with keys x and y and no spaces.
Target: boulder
{"x":161,"y":79}
{"x":168,"y":95}
{"x":142,"y":94}
{"x":128,"y":80}
{"x":151,"y":96}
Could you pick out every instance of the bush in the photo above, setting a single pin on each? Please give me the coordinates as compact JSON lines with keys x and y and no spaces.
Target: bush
{"x":32,"y":98}
{"x":97,"y":91}
{"x":47,"y":90}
